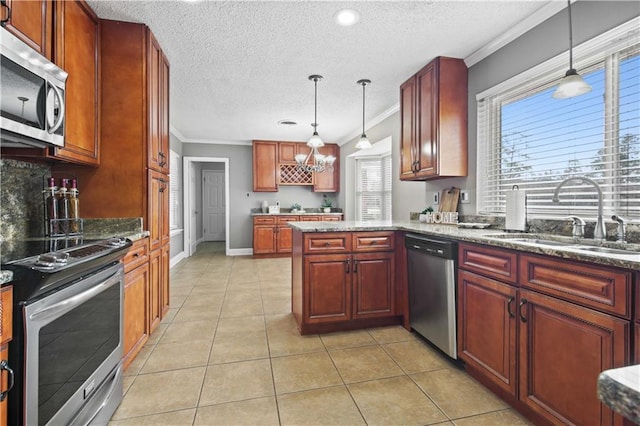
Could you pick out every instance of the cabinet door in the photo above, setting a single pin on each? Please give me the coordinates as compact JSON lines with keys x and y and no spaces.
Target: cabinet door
{"x":31,"y":22}
{"x":154,"y":67}
{"x":563,"y":348}
{"x":4,"y":385}
{"x":264,"y":239}
{"x":637,"y":343}
{"x":287,"y":151}
{"x":373,"y":289}
{"x":164,"y":280}
{"x":426,"y":144}
{"x":265,"y":166}
{"x":407,"y":129}
{"x":158,"y":209}
{"x":284,"y":234}
{"x":136,"y":311}
{"x":487,"y":328}
{"x":155,"y":277}
{"x":163,"y":109}
{"x":77,"y":51}
{"x":327,"y":286}
{"x":328,"y":181}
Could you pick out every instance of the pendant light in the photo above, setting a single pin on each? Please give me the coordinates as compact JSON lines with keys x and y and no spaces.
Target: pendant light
{"x":320,"y":162}
{"x":363,"y":142}
{"x":572,"y":83}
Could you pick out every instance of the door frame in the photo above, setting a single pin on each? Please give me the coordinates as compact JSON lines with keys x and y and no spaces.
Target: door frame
{"x":188,"y":195}
{"x":218,"y":172}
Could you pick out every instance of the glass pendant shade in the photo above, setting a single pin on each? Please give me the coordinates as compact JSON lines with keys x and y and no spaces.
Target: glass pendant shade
{"x":363,"y":142}
{"x":315,"y":141}
{"x":572,"y":83}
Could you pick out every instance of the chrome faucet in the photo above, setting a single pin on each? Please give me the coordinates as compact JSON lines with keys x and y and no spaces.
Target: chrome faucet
{"x":622,"y":228}
{"x":599,"y":233}
{"x":578,"y":227}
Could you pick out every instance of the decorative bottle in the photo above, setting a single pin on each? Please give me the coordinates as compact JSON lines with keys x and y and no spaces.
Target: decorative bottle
{"x":51,"y":208}
{"x":63,"y":205}
{"x":74,"y":207}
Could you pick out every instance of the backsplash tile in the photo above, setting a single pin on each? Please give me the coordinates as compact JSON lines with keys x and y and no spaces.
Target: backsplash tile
{"x":21,"y":202}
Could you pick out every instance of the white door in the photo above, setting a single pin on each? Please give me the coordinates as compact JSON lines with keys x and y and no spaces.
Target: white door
{"x":193,"y":216}
{"x":213,"y":208}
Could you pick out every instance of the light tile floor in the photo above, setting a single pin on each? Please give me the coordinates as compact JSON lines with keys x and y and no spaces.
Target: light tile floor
{"x":228,"y":353}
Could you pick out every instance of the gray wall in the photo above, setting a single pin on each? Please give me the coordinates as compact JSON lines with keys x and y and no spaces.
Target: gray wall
{"x":177,"y":241}
{"x":590,"y":18}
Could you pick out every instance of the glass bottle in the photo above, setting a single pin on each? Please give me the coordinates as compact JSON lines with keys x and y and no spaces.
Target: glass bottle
{"x":74,"y":207}
{"x":51,"y":208}
{"x":63,"y":205}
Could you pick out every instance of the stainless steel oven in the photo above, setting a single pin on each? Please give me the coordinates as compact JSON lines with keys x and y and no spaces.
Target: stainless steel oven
{"x":67,"y":346}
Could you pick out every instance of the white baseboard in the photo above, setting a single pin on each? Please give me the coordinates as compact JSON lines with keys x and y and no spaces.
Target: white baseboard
{"x":175,"y":259}
{"x":241,"y":252}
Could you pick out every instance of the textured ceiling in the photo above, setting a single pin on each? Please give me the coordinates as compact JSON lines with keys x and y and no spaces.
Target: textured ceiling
{"x":238,"y":67}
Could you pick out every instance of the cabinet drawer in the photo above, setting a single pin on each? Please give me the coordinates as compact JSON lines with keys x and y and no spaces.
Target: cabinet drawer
{"x":492,"y":262}
{"x":339,"y":242}
{"x":264,"y":220}
{"x":306,"y":218}
{"x":6,"y":312}
{"x":373,"y":241}
{"x":332,"y":218}
{"x":136,"y":256}
{"x":599,"y":287}
{"x":285,"y":219}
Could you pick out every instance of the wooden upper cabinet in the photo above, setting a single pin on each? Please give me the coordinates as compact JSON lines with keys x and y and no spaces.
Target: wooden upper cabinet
{"x":77,"y":51}
{"x":265,"y":166}
{"x":158,"y":81}
{"x":328,"y":181}
{"x":287,"y":151}
{"x":433,"y":108}
{"x":31,"y":21}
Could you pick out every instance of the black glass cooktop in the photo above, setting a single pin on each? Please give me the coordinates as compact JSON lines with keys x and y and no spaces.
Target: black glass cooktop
{"x":11,"y":251}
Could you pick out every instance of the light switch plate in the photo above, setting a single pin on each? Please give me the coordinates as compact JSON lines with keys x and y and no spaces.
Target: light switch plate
{"x":464,"y":197}
{"x":436,"y":198}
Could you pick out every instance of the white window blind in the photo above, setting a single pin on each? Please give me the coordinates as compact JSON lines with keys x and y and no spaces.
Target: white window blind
{"x":529,"y":139}
{"x":174,"y":190}
{"x":373,"y":193}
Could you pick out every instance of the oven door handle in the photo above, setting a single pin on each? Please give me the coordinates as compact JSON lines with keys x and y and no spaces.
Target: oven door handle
{"x":66,"y":305}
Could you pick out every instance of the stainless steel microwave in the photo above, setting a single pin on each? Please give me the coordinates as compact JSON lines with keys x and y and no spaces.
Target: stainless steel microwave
{"x":32,"y":96}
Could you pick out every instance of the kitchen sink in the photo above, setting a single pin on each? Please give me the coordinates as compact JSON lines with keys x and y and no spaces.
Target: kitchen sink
{"x":540,"y":241}
{"x":606,"y":250}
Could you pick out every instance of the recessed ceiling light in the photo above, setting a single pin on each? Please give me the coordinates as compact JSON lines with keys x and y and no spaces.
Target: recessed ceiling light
{"x":287,"y":123}
{"x":346,"y":17}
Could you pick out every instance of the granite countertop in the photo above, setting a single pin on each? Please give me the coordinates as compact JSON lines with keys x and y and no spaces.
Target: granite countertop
{"x":619,"y":388}
{"x":6,"y":277}
{"x":493,"y":237}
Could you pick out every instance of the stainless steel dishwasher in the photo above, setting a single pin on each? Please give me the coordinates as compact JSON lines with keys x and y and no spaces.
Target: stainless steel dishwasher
{"x":432,"y":290}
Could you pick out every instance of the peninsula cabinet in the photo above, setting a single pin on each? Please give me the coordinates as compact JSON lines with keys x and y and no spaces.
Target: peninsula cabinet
{"x":433,"y":121}
{"x":537,"y":330}
{"x":136,"y":300}
{"x":30,"y":21}
{"x":343,"y":281}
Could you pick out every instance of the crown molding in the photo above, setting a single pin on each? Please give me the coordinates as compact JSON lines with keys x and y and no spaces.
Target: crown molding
{"x":533,"y":20}
{"x":183,"y":139}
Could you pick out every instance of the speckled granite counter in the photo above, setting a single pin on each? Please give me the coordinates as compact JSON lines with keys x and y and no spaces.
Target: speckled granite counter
{"x":128,"y":227}
{"x":6,"y":277}
{"x":491,"y":237}
{"x":619,"y":388}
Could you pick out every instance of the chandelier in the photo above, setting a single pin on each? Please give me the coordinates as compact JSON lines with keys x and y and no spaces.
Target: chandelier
{"x":314,"y":161}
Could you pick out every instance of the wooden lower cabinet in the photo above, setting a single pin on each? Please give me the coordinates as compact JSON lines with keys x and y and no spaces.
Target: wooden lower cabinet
{"x":327,"y":284}
{"x":539,"y":352}
{"x":272,"y":235}
{"x":136,"y":309}
{"x":6,"y":334}
{"x":563,"y":348}
{"x":491,"y":349}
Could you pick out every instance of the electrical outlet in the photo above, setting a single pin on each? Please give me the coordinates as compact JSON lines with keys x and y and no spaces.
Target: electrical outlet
{"x":436,"y":198}
{"x":464,"y":197}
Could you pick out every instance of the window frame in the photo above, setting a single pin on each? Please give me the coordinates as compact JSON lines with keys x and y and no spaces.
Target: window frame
{"x":592,"y":53}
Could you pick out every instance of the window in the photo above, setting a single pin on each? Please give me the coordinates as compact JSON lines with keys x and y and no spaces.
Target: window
{"x":373,"y":192}
{"x":175,"y":191}
{"x":529,"y":139}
